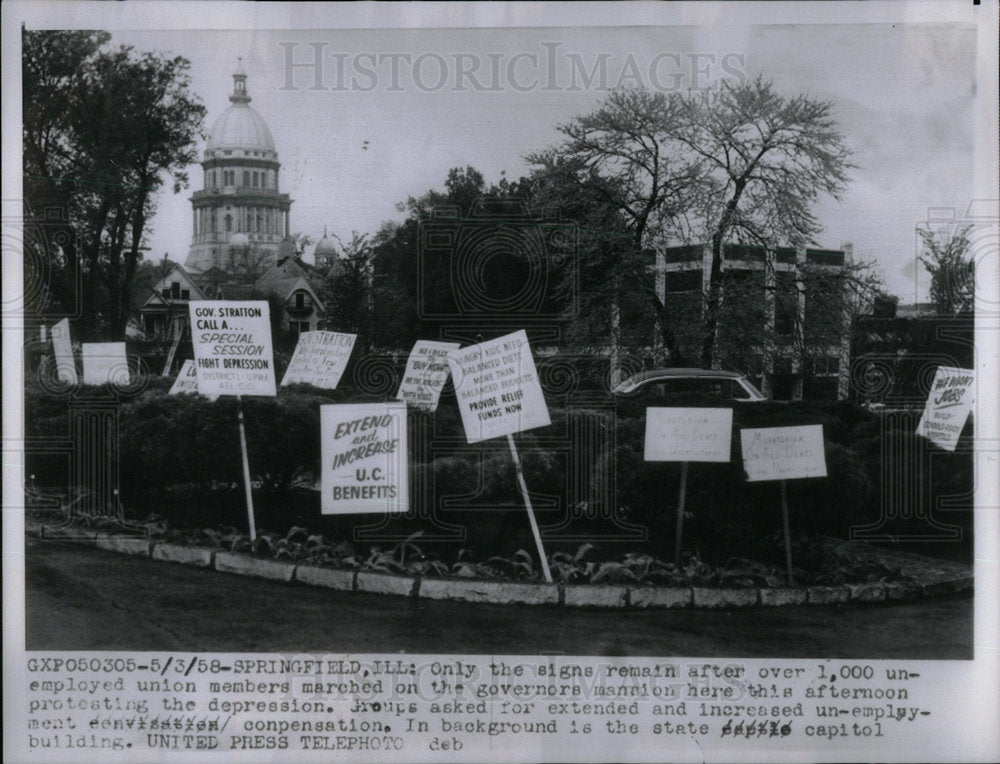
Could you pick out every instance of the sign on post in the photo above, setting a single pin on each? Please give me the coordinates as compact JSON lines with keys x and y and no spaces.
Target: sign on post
{"x":319,"y":359}
{"x":187,"y":379}
{"x":62,"y":346}
{"x":688,"y":434}
{"x":499,"y":394}
{"x":948,"y":405}
{"x":104,"y":363}
{"x":783,"y":453}
{"x":497,"y":388}
{"x":364,"y":458}
{"x":232,"y":347}
{"x":425,"y":375}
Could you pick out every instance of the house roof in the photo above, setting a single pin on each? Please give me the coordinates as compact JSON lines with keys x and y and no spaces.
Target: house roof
{"x":289,"y":275}
{"x":175,"y":273}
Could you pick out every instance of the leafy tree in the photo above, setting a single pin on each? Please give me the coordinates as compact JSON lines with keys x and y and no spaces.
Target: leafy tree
{"x":104,"y":128}
{"x":415,"y":292}
{"x":349,"y":290}
{"x":764,"y":158}
{"x":953,"y":272}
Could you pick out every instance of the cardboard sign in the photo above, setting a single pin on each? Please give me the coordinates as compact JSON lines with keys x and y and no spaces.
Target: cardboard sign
{"x":426,"y":372}
{"x":62,"y":346}
{"x":105,"y":363}
{"x":783,"y":453}
{"x":232,"y":347}
{"x":497,"y":388}
{"x":688,"y":434}
{"x":319,"y":359}
{"x":187,"y":379}
{"x":364,"y":458}
{"x":948,"y":405}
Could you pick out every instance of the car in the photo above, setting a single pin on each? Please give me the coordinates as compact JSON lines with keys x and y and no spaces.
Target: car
{"x":715,"y":384}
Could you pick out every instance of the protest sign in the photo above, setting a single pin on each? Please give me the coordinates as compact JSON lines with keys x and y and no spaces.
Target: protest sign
{"x":499,"y":394}
{"x":232,"y":347}
{"x":319,"y":359}
{"x":62,"y":346}
{"x":948,"y":405}
{"x":105,"y":363}
{"x":364,"y":458}
{"x":187,"y":379}
{"x":425,"y":375}
{"x":688,"y":434}
{"x":783,"y":453}
{"x":497,"y":388}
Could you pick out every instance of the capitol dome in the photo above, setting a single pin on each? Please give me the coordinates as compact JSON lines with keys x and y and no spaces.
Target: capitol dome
{"x":240,"y":127}
{"x":241,"y":207}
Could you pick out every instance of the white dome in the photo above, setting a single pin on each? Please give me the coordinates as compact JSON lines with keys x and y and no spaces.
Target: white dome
{"x":240,"y":127}
{"x":325,"y":247}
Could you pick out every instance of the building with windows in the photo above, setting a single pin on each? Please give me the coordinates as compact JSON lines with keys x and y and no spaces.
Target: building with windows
{"x":241,"y":201}
{"x":164,"y":313}
{"x":784,"y":319}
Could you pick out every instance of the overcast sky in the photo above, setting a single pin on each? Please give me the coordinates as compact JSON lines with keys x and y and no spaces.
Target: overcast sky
{"x":358,"y":138}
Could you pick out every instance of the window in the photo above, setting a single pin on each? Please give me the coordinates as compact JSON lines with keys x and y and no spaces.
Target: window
{"x":175,"y":291}
{"x":255,"y":178}
{"x":229,"y":223}
{"x":786,"y":303}
{"x":303,"y":326}
{"x":246,"y":177}
{"x":300,"y":300}
{"x":185,"y":294}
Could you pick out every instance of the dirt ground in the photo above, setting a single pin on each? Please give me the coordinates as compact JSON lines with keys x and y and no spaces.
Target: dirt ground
{"x":80,"y":598}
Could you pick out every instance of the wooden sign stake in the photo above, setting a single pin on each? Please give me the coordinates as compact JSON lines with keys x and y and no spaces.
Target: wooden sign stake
{"x":246,"y":470}
{"x":531,"y":513}
{"x":680,"y":513}
{"x":788,"y":535}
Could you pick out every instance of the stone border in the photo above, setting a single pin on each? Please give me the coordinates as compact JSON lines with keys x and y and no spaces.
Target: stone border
{"x":931,"y":578}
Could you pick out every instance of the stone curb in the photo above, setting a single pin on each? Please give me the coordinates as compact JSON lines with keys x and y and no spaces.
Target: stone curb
{"x":660,"y":597}
{"x":711,"y":598}
{"x":942,"y":580}
{"x":385,"y":583}
{"x":199,"y":556}
{"x":329,"y":578}
{"x":123,"y":544}
{"x":230,"y":562}
{"x":497,"y":592}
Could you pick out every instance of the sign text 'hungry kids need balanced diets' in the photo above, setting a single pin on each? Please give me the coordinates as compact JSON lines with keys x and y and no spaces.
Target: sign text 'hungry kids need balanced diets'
{"x":232,"y":347}
{"x":364,"y":458}
{"x":497,"y":388}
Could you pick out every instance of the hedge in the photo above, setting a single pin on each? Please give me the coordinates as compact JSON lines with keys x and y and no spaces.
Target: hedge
{"x":180,"y":458}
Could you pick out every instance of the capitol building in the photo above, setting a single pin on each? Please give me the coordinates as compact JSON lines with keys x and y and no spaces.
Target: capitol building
{"x":240,"y":216}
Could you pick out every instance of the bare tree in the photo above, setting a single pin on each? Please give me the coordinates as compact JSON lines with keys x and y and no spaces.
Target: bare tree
{"x":623,"y":157}
{"x":764,"y":160}
{"x":953,"y":273}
